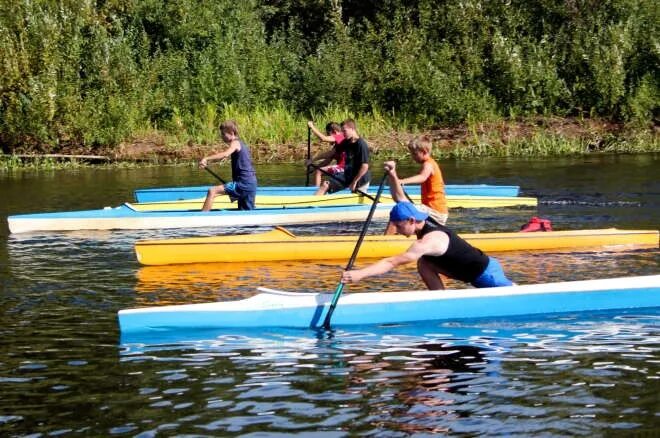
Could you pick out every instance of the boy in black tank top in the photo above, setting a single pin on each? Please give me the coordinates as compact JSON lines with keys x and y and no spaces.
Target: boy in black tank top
{"x":438,"y":250}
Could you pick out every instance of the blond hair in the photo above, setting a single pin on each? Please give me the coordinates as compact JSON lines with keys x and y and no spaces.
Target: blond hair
{"x":422,"y":143}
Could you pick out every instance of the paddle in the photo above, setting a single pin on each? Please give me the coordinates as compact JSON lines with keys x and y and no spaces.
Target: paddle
{"x":340,"y":181}
{"x":340,"y":286}
{"x":215,"y":175}
{"x":309,"y":148}
{"x":430,"y":219}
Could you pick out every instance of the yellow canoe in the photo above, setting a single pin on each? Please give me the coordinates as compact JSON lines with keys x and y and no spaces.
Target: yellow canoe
{"x":280,"y":244}
{"x":270,"y":201}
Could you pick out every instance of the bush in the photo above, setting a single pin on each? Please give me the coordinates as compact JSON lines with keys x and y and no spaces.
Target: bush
{"x":91,"y":74}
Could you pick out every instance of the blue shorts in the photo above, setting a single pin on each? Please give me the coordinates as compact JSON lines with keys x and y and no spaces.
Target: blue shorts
{"x":244,"y":195}
{"x":493,"y":276}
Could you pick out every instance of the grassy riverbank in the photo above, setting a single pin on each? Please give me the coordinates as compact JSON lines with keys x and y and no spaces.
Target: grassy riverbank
{"x":153,"y":79}
{"x":276,"y":136}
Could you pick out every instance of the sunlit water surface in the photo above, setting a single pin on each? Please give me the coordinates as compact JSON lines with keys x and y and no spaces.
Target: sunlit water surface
{"x":65,"y":370}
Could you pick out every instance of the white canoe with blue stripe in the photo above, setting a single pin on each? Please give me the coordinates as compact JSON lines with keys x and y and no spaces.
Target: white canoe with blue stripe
{"x":194,"y":192}
{"x":308,"y":310}
{"x":126,"y":218}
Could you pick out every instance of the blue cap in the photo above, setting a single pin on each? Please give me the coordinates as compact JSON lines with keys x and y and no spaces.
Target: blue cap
{"x":403,"y":211}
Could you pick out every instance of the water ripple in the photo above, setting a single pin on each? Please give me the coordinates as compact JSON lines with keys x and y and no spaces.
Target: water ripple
{"x":65,"y":370}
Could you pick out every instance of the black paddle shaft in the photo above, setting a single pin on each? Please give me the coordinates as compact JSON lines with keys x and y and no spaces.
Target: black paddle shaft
{"x":309,"y":150}
{"x":215,"y":175}
{"x":349,"y":265}
{"x":363,"y":233}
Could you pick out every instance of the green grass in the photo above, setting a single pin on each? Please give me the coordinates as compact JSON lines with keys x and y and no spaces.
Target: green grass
{"x":279,"y":135}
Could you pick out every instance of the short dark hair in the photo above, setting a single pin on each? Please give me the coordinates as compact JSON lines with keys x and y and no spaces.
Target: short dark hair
{"x":229,"y":126}
{"x":332,"y":127}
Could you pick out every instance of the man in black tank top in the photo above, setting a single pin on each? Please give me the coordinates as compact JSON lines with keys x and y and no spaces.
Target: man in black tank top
{"x":437,"y":250}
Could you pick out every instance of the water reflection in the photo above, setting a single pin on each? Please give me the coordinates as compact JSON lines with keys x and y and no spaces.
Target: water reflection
{"x":202,"y":282}
{"x":426,"y":378}
{"x":430,"y":378}
{"x":63,"y":373}
{"x":388,"y":371}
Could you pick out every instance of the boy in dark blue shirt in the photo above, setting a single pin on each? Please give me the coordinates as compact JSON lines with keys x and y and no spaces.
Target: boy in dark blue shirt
{"x":243,"y":186}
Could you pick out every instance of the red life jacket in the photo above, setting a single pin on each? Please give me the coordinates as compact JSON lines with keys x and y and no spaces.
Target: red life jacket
{"x":536,"y":224}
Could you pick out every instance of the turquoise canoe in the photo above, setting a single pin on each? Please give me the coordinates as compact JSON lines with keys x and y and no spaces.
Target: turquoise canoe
{"x":183,"y":193}
{"x":307,"y":310}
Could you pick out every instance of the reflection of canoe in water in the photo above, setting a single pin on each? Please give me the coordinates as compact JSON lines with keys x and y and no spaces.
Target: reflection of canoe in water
{"x":290,"y":309}
{"x":279,"y":244}
{"x":279,"y":201}
{"x":179,"y":193}
{"x":158,"y":285}
{"x":451,"y":334}
{"x":125,"y":218}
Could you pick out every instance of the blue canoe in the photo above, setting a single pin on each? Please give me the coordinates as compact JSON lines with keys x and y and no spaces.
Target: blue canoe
{"x":183,"y":193}
{"x":307,"y":310}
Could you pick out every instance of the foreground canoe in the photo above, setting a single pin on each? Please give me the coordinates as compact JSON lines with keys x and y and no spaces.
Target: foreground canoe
{"x":126,"y":218}
{"x":279,"y":201}
{"x":308,"y":310}
{"x":181,"y":193}
{"x":280,"y":244}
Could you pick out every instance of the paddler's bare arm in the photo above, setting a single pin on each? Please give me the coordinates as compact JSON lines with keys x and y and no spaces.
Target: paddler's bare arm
{"x":395,"y":183}
{"x":326,"y":156}
{"x":319,"y":134}
{"x":233,"y":146}
{"x":364,"y":167}
{"x":425,"y":173}
{"x":434,"y":243}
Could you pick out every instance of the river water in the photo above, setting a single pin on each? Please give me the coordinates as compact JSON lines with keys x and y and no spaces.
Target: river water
{"x":65,"y":371}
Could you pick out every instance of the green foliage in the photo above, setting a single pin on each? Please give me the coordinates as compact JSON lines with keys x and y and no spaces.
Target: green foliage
{"x":642,"y":105}
{"x":12,"y":162}
{"x":91,"y":74}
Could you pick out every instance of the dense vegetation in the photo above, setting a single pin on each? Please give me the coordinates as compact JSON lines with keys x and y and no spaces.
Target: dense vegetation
{"x":95,"y":73}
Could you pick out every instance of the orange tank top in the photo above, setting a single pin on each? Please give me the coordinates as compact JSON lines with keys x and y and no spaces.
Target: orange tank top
{"x":433,"y":190}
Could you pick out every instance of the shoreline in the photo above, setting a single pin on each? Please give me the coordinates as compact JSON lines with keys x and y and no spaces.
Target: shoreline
{"x":533,"y":137}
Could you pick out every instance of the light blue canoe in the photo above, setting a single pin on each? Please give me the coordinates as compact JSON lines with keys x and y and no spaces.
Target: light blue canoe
{"x":450,"y":334}
{"x":194,"y":192}
{"x":126,"y":218}
{"x":307,"y":310}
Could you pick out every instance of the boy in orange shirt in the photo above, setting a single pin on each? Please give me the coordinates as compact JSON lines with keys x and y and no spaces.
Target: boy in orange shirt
{"x":434,"y":202}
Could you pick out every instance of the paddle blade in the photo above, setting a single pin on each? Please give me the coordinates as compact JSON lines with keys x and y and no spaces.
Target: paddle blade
{"x":333,"y":305}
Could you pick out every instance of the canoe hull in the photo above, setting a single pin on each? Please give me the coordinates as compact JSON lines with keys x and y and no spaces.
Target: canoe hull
{"x":288,"y":201}
{"x":182,"y":193}
{"x":279,"y":245}
{"x":124,"y":218}
{"x":308,"y":310}
{"x":185,"y":214}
